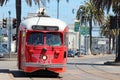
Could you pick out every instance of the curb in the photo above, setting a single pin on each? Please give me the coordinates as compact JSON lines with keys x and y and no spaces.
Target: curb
{"x":6,"y":76}
{"x":12,"y":55}
{"x":112,"y":63}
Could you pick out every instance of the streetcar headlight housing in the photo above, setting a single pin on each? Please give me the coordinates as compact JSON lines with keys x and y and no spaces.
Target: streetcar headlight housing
{"x":56,"y":54}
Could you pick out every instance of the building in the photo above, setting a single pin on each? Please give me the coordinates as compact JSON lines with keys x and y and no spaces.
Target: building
{"x":73,"y":38}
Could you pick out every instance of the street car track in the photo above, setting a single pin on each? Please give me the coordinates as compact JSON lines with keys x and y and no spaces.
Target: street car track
{"x":46,"y":79}
{"x":104,"y":70}
{"x":98,"y":73}
{"x":45,"y":76}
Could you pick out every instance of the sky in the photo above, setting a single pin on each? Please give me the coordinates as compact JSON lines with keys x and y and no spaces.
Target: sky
{"x":65,"y":9}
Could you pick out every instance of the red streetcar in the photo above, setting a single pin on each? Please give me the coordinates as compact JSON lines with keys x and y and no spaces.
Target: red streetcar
{"x":42,"y":45}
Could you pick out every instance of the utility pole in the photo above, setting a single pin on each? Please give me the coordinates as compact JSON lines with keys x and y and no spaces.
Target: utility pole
{"x":80,"y":33}
{"x":9,"y":35}
{"x":85,"y":34}
{"x":58,"y":1}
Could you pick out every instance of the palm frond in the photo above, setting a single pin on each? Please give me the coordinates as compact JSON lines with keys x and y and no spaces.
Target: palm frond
{"x":107,"y":4}
{"x":116,"y":8}
{"x":29,"y":2}
{"x":2,"y":2}
{"x":67,"y":0}
{"x":37,"y":1}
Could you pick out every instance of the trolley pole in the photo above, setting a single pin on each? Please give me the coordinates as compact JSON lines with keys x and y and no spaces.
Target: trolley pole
{"x":9,"y":33}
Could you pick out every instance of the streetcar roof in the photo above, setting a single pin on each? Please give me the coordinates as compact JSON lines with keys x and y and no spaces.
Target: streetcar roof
{"x":43,"y":21}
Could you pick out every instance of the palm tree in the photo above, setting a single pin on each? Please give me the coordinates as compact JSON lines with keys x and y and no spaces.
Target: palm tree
{"x":107,"y":4}
{"x":18,"y":13}
{"x":93,"y":15}
{"x":105,"y":31}
{"x":18,"y":17}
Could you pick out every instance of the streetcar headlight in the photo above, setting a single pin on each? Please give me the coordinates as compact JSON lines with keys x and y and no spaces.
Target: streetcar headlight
{"x":44,"y":57}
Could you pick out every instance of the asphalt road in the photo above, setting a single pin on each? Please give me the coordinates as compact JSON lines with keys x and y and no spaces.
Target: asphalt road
{"x":83,"y":68}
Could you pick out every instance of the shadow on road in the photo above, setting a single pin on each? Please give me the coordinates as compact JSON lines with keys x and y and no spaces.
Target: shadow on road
{"x":37,"y":74}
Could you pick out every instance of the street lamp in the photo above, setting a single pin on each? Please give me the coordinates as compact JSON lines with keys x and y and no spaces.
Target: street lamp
{"x":86,"y":35}
{"x":80,"y":11}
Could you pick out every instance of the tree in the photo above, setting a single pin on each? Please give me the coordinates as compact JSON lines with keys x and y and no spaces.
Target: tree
{"x":92,"y":14}
{"x":105,"y":31}
{"x":107,"y":4}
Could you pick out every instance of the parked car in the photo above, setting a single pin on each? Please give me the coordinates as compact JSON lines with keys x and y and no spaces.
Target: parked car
{"x":2,"y":52}
{"x":82,"y":51}
{"x":95,"y":51}
{"x":71,"y":53}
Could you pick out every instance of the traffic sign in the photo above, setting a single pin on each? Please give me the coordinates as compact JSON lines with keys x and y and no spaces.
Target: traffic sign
{"x":76,"y":25}
{"x":84,"y":30}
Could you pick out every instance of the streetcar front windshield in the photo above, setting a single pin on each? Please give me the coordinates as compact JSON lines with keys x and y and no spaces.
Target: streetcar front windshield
{"x":53,"y":39}
{"x":36,"y":38}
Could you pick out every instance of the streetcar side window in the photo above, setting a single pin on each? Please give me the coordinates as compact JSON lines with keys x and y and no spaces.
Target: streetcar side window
{"x":53,"y":39}
{"x":36,"y":38}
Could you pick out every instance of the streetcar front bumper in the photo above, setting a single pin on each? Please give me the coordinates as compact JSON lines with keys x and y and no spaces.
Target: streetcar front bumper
{"x":43,"y":65}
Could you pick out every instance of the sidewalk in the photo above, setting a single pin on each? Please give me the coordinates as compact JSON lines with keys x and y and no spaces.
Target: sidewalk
{"x":12,"y":55}
{"x":102,"y":55}
{"x":6,"y":76}
{"x":98,"y":55}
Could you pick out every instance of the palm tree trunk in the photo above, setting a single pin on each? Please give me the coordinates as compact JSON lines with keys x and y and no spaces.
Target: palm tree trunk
{"x":18,"y":16}
{"x":109,"y":44}
{"x":113,"y":43}
{"x":90,"y":23}
{"x":118,"y":54}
